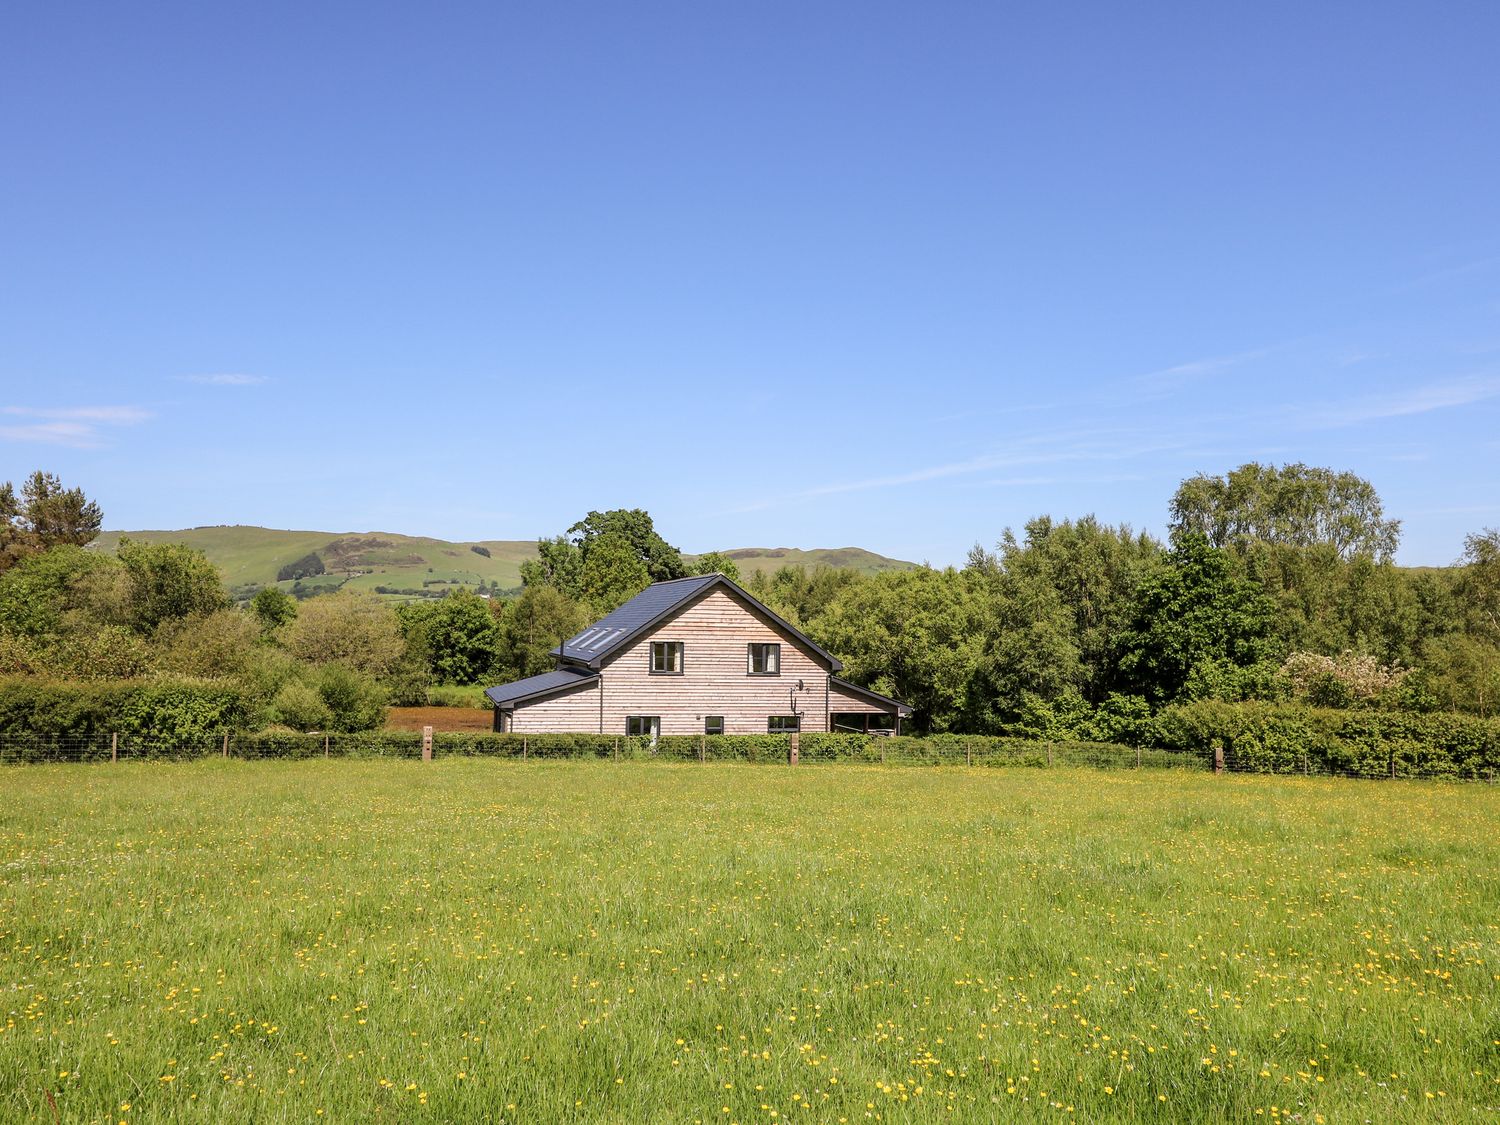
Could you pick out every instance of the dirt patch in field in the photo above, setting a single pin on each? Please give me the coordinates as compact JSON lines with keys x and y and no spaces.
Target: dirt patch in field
{"x":438,"y":718}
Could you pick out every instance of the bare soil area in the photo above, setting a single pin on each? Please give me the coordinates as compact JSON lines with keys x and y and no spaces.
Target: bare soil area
{"x":438,"y":718}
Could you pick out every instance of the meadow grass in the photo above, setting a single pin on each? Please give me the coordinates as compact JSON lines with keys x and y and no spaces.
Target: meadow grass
{"x":475,"y":940}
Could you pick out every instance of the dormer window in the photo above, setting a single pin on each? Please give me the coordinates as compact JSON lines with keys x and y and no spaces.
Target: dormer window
{"x":764,"y":660}
{"x":666,"y":658}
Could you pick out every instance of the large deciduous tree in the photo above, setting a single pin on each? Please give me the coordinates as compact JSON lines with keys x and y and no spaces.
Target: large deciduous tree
{"x":356,"y":630}
{"x":460,"y":636}
{"x":605,"y":558}
{"x":913,"y":634}
{"x":1294,"y":505}
{"x":168,"y":580}
{"x":1196,"y":612}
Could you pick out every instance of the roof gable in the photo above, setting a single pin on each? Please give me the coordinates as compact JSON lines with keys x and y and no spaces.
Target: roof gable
{"x":656,"y":604}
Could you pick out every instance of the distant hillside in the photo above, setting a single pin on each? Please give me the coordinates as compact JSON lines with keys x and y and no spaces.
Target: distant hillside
{"x":407,"y":567}
{"x":752,"y":560}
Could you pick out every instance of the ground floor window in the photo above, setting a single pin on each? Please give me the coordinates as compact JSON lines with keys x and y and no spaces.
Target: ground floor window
{"x":643,"y":726}
{"x":862,"y":722}
{"x":713,"y":724}
{"x":783,"y":724}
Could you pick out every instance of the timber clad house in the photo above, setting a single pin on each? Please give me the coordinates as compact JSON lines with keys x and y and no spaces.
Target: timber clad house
{"x":692,"y":656}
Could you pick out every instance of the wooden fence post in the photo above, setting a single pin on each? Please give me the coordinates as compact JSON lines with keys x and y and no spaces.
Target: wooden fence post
{"x":1305,"y":771}
{"x":525,"y":746}
{"x":426,"y":744}
{"x":794,"y":748}
{"x":1218,"y":757}
{"x":1393,"y":763}
{"x":1137,"y":757}
{"x":226,"y":746}
{"x":114,"y":747}
{"x":617,"y":748}
{"x":703,"y":748}
{"x":325,"y":746}
{"x":968,"y":753}
{"x":1049,"y":755}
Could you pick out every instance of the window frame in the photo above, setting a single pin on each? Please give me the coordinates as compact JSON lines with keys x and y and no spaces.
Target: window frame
{"x":681,"y":658}
{"x":709,"y":721}
{"x":766,"y":646}
{"x":652,"y":724}
{"x":795,"y":728}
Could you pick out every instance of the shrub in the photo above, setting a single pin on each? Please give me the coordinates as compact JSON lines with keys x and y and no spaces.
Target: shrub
{"x":1288,"y":738}
{"x":355,"y":701}
{"x":301,"y":707}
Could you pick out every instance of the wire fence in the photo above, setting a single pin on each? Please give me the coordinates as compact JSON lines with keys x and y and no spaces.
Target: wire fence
{"x":1393,"y":763}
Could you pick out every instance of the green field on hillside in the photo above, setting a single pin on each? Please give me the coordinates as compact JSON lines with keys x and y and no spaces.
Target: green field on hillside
{"x":250,"y":557}
{"x":475,"y":940}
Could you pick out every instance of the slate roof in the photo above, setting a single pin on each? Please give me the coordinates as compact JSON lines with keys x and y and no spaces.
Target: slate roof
{"x":655,"y":603}
{"x":873,"y":696}
{"x":534,"y":687}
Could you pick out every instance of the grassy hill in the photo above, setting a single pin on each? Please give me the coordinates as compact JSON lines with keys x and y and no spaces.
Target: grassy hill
{"x":406,"y":567}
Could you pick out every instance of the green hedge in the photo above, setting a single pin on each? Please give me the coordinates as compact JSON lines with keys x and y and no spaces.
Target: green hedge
{"x":161,"y":714}
{"x":1287,"y":738}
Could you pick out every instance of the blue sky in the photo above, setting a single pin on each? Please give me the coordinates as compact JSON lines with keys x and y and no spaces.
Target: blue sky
{"x":792,"y":274}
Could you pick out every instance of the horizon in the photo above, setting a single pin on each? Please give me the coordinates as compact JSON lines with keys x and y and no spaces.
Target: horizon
{"x":893,"y":278}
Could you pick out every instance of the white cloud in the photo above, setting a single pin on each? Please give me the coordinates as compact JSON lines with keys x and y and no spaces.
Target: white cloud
{"x":1417,"y":400}
{"x":1170,"y":378}
{"x":1034,"y":449}
{"x":80,"y":427}
{"x":224,"y":380}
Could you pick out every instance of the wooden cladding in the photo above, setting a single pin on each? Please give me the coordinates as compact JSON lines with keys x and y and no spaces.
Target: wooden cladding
{"x":717,"y":633}
{"x":715,"y":667}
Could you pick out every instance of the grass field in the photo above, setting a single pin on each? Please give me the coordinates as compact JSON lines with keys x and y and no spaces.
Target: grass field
{"x":472,"y":940}
{"x":251,"y":556}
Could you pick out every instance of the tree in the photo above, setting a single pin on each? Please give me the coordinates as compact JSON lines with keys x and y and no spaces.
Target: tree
{"x":716,"y":562}
{"x":207,"y":645}
{"x":1294,"y":505}
{"x":612,"y":574}
{"x":356,"y":630}
{"x":273,"y":608}
{"x":801,"y":595}
{"x":911,"y":634}
{"x":1093,"y":572}
{"x":166,"y":581}
{"x":308,"y":566}
{"x":1196,"y":611}
{"x":44,"y":590}
{"x":561,"y":562}
{"x":461,"y":638}
{"x":533,"y":625}
{"x":44,"y":515}
{"x":1480,"y":582}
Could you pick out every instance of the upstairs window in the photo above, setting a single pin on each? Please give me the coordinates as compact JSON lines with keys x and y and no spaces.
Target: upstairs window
{"x":765,"y":660}
{"x":783,"y":724}
{"x":666,"y":658}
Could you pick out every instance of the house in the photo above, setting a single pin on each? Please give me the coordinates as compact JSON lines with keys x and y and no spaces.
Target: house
{"x":692,"y":656}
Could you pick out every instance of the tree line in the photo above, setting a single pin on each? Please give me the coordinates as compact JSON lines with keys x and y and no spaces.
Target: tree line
{"x":1275,"y":584}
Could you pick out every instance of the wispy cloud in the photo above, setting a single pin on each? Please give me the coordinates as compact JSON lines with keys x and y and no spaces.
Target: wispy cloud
{"x":1031,"y":450}
{"x":1450,"y":273}
{"x":1171,"y":378}
{"x":1417,"y":400}
{"x":228,"y":379}
{"x":81,"y":427}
